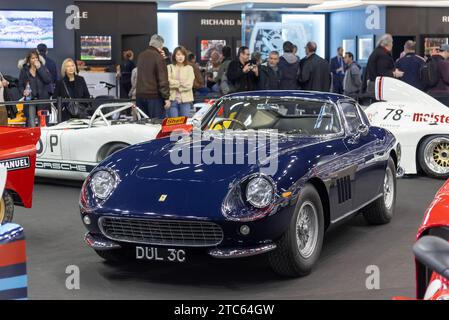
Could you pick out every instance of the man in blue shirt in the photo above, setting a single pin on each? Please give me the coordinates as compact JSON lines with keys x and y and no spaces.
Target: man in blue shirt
{"x":411,"y":65}
{"x":338,"y":71}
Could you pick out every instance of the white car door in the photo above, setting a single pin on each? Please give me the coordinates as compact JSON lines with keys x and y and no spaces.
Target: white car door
{"x":49,"y":145}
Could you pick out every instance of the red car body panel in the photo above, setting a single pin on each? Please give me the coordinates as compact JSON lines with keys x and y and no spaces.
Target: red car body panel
{"x":436,"y":216}
{"x":18,"y":154}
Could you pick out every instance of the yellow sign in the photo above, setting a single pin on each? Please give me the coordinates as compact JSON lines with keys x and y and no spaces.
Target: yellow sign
{"x":175,"y":121}
{"x":162,"y":198}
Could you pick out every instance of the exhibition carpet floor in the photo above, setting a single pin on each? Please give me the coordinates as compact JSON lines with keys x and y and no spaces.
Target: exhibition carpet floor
{"x":54,"y":233}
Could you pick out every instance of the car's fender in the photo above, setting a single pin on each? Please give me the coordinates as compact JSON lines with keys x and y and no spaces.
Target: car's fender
{"x":18,"y":155}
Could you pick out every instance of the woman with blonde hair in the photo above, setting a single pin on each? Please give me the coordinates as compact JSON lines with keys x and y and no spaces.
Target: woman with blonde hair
{"x":180,"y":78}
{"x":73,"y":86}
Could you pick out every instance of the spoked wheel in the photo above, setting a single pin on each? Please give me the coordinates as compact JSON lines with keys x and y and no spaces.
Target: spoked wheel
{"x":381,"y":211}
{"x":434,"y":156}
{"x":307,"y":229}
{"x":6,"y":208}
{"x":299,"y":248}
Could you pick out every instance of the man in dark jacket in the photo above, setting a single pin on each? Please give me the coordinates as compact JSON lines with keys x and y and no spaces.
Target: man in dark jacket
{"x":270,"y":76}
{"x":51,"y":67}
{"x":411,"y":64}
{"x":289,"y":68}
{"x":242,"y":73}
{"x":315,"y":72}
{"x":442,"y":86}
{"x":338,"y":71}
{"x":380,"y":63}
{"x":152,"y":90}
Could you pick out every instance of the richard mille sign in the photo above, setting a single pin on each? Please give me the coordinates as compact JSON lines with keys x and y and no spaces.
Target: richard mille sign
{"x":221,"y":22}
{"x":445,"y":19}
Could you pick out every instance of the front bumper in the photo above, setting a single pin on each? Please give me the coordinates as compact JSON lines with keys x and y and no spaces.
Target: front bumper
{"x":99,"y":242}
{"x":400,"y":172}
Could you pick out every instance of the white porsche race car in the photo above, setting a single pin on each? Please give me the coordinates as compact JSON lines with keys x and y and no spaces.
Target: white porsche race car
{"x":419,"y":122}
{"x":71,"y":149}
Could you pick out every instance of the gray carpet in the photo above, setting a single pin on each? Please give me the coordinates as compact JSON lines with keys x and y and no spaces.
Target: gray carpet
{"x":55,"y":240}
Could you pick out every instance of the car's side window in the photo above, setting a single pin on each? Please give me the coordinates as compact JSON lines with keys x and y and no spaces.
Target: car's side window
{"x":351,"y":115}
{"x":364,"y":116}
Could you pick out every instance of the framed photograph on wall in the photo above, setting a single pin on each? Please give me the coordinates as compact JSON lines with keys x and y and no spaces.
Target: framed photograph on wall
{"x":365,"y":45}
{"x":432,"y":42}
{"x":349,"y":45}
{"x":209,"y":46}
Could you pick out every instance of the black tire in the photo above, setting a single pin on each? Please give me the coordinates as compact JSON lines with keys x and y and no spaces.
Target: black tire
{"x":286,"y":260}
{"x":115,"y":255}
{"x":380,"y":212}
{"x":114,"y":148}
{"x":424,"y":149}
{"x":6,"y":208}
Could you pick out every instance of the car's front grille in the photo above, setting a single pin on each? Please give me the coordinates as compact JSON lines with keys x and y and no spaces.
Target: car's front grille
{"x":162,"y":232}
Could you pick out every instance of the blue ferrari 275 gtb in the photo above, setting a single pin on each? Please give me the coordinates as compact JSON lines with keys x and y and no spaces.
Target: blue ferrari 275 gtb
{"x":264,"y":172}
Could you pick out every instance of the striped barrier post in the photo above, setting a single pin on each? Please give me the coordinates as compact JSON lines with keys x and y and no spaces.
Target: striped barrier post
{"x":13,"y":274}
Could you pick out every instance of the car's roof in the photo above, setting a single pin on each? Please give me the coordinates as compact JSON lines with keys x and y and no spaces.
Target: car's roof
{"x":291,"y":93}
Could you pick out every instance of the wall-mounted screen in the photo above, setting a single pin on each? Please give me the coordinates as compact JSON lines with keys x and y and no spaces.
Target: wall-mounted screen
{"x":365,"y":46}
{"x":267,"y":32}
{"x":95,"y":48}
{"x":25,"y":29}
{"x":209,"y":46}
{"x":349,"y":46}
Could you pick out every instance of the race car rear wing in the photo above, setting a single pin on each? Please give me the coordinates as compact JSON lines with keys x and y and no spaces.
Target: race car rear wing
{"x":394,"y":90}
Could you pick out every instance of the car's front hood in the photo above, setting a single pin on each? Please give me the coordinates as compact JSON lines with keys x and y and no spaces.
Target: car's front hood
{"x":158,"y":184}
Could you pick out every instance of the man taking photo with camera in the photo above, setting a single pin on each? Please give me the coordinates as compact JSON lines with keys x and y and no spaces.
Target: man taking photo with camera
{"x":243,"y":73}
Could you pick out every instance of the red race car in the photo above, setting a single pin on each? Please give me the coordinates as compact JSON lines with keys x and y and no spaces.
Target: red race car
{"x":18,"y":156}
{"x":432,"y":250}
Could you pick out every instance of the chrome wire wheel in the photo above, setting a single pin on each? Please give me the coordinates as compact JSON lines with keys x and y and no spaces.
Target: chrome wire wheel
{"x":307,"y":229}
{"x":2,"y":210}
{"x":436,"y":155}
{"x":388,"y":188}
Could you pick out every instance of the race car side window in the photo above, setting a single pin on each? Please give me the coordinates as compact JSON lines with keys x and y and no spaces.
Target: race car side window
{"x":352,"y":116}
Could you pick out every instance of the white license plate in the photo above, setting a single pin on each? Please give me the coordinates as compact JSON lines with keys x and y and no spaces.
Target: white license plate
{"x":160,"y":254}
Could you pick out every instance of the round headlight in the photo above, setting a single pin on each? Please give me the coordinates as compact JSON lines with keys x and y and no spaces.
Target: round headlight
{"x":259,"y":192}
{"x":102,"y":184}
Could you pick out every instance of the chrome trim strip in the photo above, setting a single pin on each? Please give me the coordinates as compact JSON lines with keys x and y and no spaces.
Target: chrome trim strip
{"x":100,"y":225}
{"x":99,"y":243}
{"x":354,"y":211}
{"x":241,"y":253}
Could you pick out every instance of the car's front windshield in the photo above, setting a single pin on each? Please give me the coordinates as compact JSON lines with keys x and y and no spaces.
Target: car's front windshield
{"x":284,"y":114}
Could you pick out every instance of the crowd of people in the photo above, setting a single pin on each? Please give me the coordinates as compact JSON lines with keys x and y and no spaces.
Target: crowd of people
{"x":164,"y":84}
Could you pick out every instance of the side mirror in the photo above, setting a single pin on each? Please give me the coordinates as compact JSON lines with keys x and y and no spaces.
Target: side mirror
{"x":363,"y":130}
{"x":196,"y":123}
{"x":433,"y":252}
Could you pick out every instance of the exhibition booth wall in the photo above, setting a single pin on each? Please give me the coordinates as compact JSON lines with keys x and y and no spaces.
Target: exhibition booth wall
{"x":356,"y":30}
{"x":129,"y":25}
{"x":63,"y":39}
{"x":429,"y":27}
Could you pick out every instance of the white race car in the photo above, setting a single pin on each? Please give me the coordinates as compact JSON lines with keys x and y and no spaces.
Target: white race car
{"x":71,"y":149}
{"x":419,"y":122}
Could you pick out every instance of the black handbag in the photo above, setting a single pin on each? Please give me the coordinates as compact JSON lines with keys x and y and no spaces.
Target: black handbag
{"x":72,"y":107}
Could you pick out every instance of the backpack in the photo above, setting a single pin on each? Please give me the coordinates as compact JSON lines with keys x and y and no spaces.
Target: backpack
{"x":430,"y":74}
{"x":225,"y":85}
